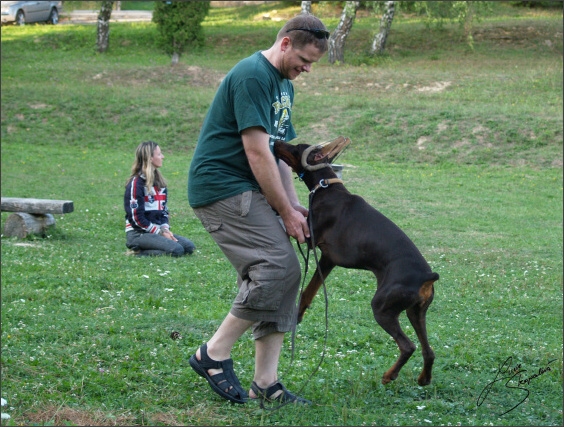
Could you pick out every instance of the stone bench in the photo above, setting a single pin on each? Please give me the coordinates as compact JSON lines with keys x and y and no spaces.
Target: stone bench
{"x":32,"y":216}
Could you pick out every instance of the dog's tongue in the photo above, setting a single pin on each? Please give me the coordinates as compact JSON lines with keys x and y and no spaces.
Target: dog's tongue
{"x":333,"y":148}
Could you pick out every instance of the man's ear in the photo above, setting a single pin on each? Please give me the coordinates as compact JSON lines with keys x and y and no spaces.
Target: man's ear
{"x":285,"y":43}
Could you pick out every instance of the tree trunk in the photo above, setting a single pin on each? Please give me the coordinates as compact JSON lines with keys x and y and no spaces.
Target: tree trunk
{"x":22,"y":224}
{"x":175,"y":58}
{"x":103,"y":35}
{"x":306,"y":7}
{"x":175,"y":53}
{"x":339,"y":36}
{"x":468,"y":21}
{"x":379,"y":42}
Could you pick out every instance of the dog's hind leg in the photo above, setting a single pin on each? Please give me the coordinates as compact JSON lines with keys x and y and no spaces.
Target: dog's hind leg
{"x":417,"y":316}
{"x":323,"y":269}
{"x":386,"y":313}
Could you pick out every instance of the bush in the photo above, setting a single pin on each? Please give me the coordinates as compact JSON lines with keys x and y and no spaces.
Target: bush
{"x":179,"y":24}
{"x":550,"y":4}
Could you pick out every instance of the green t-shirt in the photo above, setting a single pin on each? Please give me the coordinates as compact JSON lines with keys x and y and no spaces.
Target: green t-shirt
{"x":253,"y":93}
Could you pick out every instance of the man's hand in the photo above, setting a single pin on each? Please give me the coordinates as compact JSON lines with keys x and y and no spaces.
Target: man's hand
{"x":296,"y":223}
{"x":302,"y":231}
{"x":278,"y":190}
{"x":301,"y":209}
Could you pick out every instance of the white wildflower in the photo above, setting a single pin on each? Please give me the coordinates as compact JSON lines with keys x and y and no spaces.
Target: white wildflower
{"x":4,"y":403}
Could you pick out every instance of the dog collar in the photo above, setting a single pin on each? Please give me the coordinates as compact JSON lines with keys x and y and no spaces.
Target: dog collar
{"x":324,"y":183}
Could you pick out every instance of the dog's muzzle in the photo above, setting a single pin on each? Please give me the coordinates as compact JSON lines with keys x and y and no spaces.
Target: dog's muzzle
{"x":330,"y":150}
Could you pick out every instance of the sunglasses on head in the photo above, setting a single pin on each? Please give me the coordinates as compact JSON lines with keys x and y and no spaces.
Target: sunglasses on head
{"x":317,"y":32}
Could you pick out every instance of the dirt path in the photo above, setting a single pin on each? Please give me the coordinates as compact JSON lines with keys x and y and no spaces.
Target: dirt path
{"x":90,"y":16}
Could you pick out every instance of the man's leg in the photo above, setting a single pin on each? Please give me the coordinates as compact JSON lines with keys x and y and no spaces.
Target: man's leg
{"x":217,"y":367}
{"x":221,"y":343}
{"x":254,"y":241}
{"x":268,"y":350}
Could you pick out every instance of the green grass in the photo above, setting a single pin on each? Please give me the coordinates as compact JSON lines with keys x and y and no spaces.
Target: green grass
{"x":462,"y":149}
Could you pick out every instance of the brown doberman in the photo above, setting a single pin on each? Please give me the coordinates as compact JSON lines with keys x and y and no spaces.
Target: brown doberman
{"x":352,"y":234}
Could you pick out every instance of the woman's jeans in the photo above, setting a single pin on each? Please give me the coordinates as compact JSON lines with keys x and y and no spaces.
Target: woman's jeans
{"x":149,"y":244}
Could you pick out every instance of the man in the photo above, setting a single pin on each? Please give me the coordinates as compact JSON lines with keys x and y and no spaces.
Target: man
{"x":237,"y":189}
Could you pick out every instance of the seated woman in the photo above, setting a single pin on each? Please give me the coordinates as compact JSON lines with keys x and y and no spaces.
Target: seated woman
{"x":146,"y":214}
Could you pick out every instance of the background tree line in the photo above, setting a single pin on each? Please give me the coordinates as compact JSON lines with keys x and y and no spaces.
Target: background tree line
{"x":179,"y":22}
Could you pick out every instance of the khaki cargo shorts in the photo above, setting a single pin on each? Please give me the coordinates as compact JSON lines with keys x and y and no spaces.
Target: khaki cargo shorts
{"x":252,"y":237}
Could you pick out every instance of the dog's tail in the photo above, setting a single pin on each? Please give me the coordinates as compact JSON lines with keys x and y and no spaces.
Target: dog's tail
{"x":426,"y":290}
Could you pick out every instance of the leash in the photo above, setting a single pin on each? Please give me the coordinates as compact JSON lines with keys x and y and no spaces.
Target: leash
{"x":324,"y":183}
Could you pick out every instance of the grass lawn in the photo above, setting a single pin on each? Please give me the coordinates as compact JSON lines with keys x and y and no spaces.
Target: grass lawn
{"x":461,"y":148}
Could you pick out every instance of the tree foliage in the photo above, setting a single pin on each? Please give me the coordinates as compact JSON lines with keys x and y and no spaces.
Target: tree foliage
{"x":436,"y":14}
{"x":439,"y":12}
{"x":180,"y":25}
{"x":463,"y":12}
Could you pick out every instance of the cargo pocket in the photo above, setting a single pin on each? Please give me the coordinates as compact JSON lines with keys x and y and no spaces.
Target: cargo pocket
{"x":240,"y":204}
{"x":210,"y":221}
{"x":246,"y":199}
{"x":263,"y":289}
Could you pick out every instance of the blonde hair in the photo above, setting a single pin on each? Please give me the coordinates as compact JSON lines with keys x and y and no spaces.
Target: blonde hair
{"x":144,"y":165}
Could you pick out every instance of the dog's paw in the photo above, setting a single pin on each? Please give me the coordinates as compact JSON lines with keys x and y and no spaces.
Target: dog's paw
{"x":424,"y":380}
{"x":301,"y":313}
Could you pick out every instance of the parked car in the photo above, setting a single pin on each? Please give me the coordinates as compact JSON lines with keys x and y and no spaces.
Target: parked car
{"x":22,"y":12}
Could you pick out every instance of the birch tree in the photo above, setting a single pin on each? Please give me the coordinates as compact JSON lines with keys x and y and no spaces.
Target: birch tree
{"x":337,"y":40}
{"x":306,"y":7}
{"x":103,"y":32}
{"x":468,"y":24}
{"x":379,"y":42}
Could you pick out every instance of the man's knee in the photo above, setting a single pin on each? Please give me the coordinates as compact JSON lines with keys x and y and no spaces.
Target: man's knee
{"x":293,"y":272}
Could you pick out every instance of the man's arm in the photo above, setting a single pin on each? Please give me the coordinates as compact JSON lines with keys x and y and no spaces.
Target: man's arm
{"x":288,"y":183}
{"x":267,"y":173}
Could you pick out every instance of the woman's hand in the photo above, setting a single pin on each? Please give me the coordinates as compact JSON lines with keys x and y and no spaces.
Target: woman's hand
{"x":169,"y":235}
